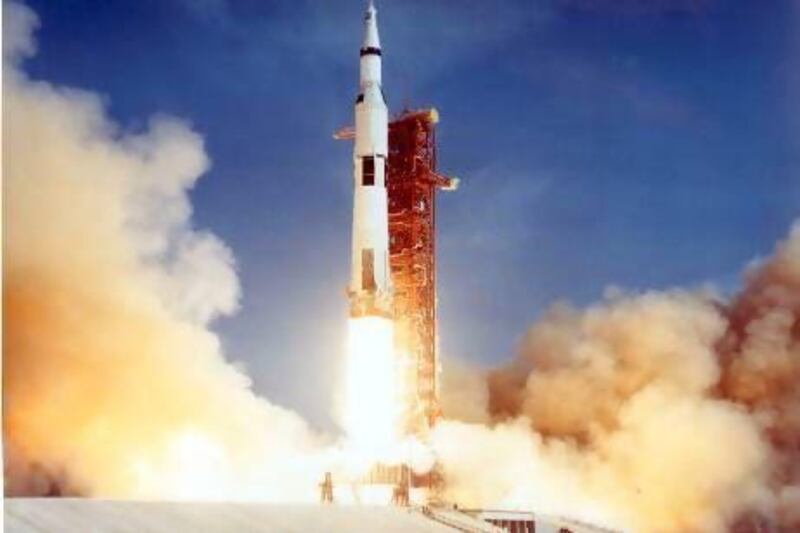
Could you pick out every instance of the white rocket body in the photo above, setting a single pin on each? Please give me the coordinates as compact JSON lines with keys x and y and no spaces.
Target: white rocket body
{"x":370,"y":285}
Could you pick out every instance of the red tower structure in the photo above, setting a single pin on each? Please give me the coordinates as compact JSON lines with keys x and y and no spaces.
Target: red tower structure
{"x":412,"y":183}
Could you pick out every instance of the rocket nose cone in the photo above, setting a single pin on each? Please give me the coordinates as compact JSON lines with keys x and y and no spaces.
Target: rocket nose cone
{"x":371,"y":39}
{"x":369,"y":14}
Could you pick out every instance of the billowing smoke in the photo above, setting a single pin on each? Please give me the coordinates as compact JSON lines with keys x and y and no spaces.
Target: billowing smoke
{"x":113,"y":383}
{"x":760,"y":356}
{"x":662,"y":411}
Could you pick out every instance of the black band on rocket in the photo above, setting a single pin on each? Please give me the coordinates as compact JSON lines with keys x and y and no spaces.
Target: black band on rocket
{"x":370,"y":50}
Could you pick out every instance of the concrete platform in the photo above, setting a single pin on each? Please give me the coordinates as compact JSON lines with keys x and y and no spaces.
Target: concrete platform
{"x":68,"y":515}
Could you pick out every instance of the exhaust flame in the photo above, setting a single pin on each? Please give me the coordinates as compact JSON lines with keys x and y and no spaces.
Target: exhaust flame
{"x":372,"y":409}
{"x":196,"y":467}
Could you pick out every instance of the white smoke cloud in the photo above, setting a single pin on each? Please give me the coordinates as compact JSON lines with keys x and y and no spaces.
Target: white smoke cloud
{"x":663,"y":411}
{"x":465,"y":393}
{"x":611,"y":416}
{"x":19,"y":23}
{"x":113,"y":383}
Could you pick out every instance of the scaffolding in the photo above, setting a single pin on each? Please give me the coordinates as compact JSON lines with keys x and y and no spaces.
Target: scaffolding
{"x":412,"y":183}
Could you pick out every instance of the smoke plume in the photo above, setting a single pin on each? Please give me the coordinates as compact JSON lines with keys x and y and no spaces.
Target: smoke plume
{"x":113,"y":383}
{"x":666,"y":411}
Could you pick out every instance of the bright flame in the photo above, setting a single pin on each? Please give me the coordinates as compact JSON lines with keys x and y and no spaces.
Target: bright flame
{"x":194,"y":467}
{"x":372,"y":400}
{"x":200,"y":465}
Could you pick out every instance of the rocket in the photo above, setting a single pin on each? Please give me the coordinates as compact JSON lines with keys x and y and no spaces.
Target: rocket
{"x":370,"y":287}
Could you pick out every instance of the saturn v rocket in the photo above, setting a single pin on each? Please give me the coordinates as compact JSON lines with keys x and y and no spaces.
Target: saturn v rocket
{"x":370,"y":287}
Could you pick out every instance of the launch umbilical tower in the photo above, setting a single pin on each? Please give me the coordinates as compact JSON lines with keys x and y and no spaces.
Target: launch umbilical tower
{"x":412,"y":184}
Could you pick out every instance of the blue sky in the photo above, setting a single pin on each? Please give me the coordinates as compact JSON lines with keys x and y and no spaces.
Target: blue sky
{"x":641,"y":144}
